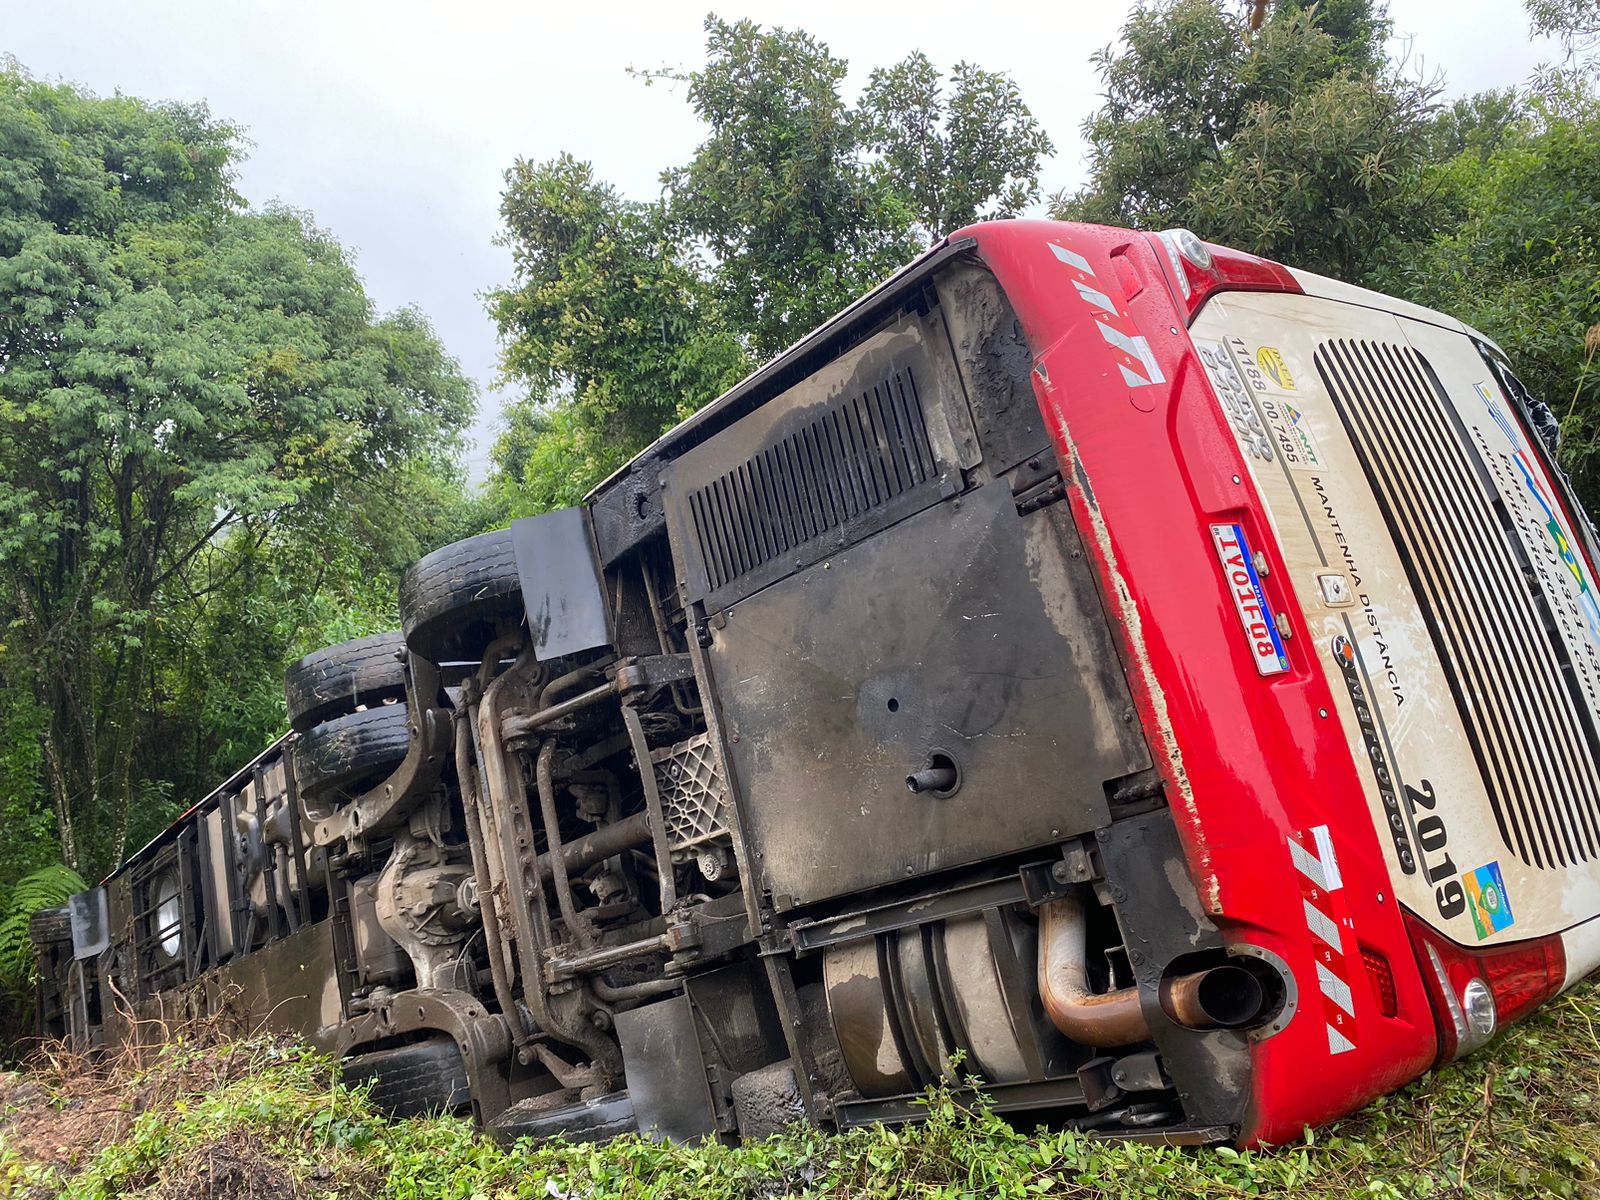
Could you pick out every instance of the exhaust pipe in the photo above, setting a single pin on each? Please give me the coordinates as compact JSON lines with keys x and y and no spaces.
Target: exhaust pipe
{"x":1225,"y":997}
{"x":1222,"y":997}
{"x":1088,"y":1018}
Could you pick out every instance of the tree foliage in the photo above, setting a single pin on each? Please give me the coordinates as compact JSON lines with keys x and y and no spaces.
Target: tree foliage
{"x":957,"y":154}
{"x":1517,"y":255}
{"x":609,"y":325}
{"x":1303,"y":143}
{"x":781,"y":191}
{"x":624,"y":317}
{"x":181,"y":382}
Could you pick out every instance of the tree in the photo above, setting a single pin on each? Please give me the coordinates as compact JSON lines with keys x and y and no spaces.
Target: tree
{"x":609,"y":324}
{"x":1575,"y":22}
{"x":624,"y":317}
{"x":780,"y":192}
{"x":954,"y":159}
{"x":1517,"y":255}
{"x":1302,"y":143}
{"x":175,"y":372}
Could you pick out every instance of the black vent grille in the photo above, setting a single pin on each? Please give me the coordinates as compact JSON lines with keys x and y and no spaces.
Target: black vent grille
{"x":844,"y":461}
{"x":1496,"y":637}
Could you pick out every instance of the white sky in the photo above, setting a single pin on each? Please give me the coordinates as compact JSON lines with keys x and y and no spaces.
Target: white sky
{"x":392,"y":121}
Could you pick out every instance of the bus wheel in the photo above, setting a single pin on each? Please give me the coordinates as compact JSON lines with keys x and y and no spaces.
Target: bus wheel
{"x":352,"y":753}
{"x":340,"y":679}
{"x":412,"y":1081}
{"x":452,"y":600}
{"x":597,"y":1120}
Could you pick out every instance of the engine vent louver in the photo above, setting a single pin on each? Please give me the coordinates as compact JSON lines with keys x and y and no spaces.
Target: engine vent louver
{"x":1506,"y":662}
{"x":838,"y":463}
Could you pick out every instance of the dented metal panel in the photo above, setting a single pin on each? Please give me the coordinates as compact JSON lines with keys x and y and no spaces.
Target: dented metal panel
{"x":967,"y":631}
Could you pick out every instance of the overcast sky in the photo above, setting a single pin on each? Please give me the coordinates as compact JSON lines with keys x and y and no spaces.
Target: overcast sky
{"x":392,"y":122}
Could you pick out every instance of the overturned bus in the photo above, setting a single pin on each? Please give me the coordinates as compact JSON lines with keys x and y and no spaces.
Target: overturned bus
{"x":1152,"y":681}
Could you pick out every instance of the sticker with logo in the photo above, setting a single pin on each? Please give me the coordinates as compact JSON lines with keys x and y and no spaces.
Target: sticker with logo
{"x":1489,"y":904}
{"x":1291,"y":432}
{"x":1254,"y":437}
{"x":1583,"y":591}
{"x":1275,"y":367}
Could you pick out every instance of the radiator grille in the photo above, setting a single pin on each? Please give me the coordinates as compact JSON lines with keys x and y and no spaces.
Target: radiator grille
{"x":858,"y":453}
{"x":694,"y":800}
{"x":1494,"y":632}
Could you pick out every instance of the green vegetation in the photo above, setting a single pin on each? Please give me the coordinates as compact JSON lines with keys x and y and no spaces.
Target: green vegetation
{"x":215,"y":455}
{"x":626,"y":317}
{"x":266,"y":1119}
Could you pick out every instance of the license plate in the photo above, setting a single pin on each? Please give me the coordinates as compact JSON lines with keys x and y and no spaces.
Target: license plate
{"x":1249,"y":600}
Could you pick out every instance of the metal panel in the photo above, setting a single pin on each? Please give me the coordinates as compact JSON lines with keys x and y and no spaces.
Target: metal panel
{"x":966,"y":630}
{"x":561,"y":584}
{"x":666,"y":1077}
{"x":996,"y":366}
{"x":1161,"y":919}
{"x":863,"y":443}
{"x":91,"y":923}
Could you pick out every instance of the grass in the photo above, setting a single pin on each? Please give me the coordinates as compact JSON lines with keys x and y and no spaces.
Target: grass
{"x":268,"y":1119}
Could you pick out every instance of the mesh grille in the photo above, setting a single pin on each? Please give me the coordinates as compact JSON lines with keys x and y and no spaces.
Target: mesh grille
{"x":1495,"y":635}
{"x":693,"y":798}
{"x":857,"y":454}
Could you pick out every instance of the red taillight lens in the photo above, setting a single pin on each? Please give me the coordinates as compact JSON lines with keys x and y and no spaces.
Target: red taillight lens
{"x":1515,"y":979}
{"x":1382,"y":976}
{"x":1198,"y":269}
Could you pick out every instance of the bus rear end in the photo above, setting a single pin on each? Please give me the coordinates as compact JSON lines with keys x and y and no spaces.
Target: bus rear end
{"x":1357,"y":603}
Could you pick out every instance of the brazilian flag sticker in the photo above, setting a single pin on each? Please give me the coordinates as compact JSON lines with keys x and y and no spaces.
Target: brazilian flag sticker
{"x":1490,"y":907}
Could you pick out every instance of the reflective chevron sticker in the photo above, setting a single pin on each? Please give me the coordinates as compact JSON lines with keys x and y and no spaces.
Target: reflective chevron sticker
{"x":1333,"y":939}
{"x":1134,"y":358}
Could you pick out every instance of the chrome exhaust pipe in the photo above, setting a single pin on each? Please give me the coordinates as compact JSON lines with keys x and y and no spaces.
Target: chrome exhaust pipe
{"x":1221,"y":997}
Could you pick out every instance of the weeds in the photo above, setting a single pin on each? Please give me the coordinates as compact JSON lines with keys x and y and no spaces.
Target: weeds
{"x":267,"y":1119}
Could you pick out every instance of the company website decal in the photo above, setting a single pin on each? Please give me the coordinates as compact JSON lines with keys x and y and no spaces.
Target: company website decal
{"x":1347,"y":660}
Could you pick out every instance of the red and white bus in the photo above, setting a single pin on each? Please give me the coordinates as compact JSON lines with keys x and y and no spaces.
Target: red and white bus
{"x":1159,"y":682}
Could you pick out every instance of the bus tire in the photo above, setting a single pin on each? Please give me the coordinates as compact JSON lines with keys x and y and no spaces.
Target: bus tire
{"x":597,"y":1120}
{"x":767,"y":1101}
{"x":453,"y":600}
{"x":340,"y":679}
{"x":421,"y":1079}
{"x":351,"y":753}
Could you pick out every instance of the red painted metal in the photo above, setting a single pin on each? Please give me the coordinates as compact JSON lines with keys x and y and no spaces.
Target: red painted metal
{"x":1251,"y":761}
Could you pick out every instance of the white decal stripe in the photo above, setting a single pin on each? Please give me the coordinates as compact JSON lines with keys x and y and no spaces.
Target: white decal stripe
{"x":1330,"y":862}
{"x":1134,"y":347}
{"x":1071,"y":259}
{"x":1097,"y":298}
{"x":1336,"y":989}
{"x":1307,"y":865}
{"x":1322,"y":926}
{"x":1337,"y":1042}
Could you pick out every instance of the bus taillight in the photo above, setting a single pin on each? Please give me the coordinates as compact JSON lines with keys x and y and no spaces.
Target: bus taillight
{"x":1198,"y":268}
{"x":1475,"y":992}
